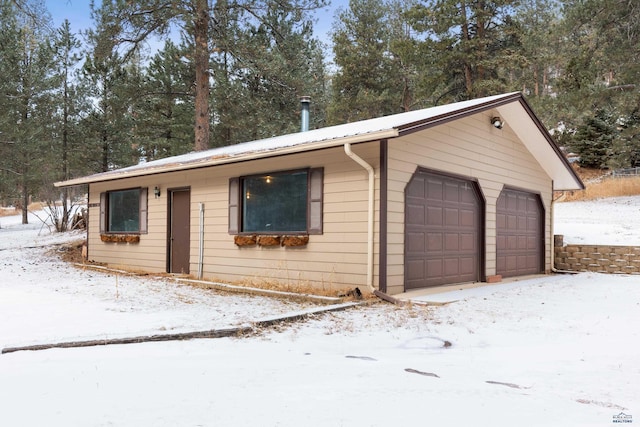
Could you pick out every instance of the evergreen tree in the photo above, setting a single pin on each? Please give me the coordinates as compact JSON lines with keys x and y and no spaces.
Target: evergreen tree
{"x":593,"y":140}
{"x":374,"y":77}
{"x":26,"y":81}
{"x":164,"y":118}
{"x":108,"y":127}
{"x":276,"y":61}
{"x":469,"y":44}
{"x":133,"y":22}
{"x":67,"y":102}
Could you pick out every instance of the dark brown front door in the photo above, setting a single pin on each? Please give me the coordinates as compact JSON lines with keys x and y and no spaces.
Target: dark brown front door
{"x":519,"y":233}
{"x":179,"y":230}
{"x":443,"y":230}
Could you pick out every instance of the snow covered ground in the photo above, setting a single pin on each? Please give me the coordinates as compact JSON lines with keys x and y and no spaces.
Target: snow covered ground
{"x":550,"y":351}
{"x":614,"y":221}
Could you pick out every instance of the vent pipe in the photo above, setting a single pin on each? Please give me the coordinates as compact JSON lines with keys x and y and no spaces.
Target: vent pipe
{"x":304,"y":104}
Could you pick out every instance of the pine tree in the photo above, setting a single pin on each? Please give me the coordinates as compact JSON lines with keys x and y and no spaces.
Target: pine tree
{"x":164,"y":117}
{"x":132,"y":22}
{"x":374,"y":76}
{"x":593,"y":140}
{"x":470,"y":46}
{"x":26,"y":83}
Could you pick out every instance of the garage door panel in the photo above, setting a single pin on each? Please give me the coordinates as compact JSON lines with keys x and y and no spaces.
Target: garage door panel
{"x":435,"y":242}
{"x":415,"y":269}
{"x":467,"y":242}
{"x":467,"y":266}
{"x":434,"y":189}
{"x":468,"y":218}
{"x":451,"y":216}
{"x":417,"y":189}
{"x":415,"y":214}
{"x":416,"y":242}
{"x":451,"y":242}
{"x":435,"y":267}
{"x":519,"y":237}
{"x":434,"y":216}
{"x":451,"y":192}
{"x":452,"y":228}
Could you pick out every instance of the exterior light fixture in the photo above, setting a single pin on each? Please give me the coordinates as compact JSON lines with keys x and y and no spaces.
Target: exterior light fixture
{"x":497,"y":122}
{"x":156,"y":192}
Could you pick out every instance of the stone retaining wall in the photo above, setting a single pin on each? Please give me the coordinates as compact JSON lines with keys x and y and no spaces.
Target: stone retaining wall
{"x":596,"y":258}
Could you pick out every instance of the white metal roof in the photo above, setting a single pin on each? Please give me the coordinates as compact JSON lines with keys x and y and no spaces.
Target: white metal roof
{"x":512,"y":106}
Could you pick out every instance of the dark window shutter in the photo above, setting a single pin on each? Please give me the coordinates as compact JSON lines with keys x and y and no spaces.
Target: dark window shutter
{"x":144,"y":193}
{"x":234,"y":205}
{"x":316,"y":190}
{"x":103,"y":212}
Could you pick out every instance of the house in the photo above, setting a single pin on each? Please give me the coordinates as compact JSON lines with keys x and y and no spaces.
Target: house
{"x":450,"y":194}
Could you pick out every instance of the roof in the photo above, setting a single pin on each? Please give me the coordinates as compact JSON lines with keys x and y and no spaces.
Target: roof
{"x":513,"y":108}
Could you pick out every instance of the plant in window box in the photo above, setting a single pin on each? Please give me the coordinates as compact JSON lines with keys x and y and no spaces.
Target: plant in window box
{"x":120,"y":238}
{"x":295,"y":241}
{"x":269,"y":240}
{"x":245,"y":240}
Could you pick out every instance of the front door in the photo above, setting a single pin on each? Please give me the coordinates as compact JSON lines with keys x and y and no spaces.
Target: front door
{"x":179,"y":240}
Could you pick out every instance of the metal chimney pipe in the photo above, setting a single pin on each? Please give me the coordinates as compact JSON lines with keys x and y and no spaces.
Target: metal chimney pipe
{"x":304,"y":104}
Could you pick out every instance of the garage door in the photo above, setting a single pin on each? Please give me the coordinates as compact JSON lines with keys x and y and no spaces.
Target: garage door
{"x":519,"y":231}
{"x":443,"y":229}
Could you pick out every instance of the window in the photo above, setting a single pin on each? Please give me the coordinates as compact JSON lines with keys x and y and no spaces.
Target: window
{"x":124,"y":211}
{"x":282,"y":202}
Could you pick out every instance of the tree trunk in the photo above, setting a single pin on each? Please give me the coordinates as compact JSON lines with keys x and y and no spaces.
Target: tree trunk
{"x":468,"y":77}
{"x":25,"y":199}
{"x":202,"y":75}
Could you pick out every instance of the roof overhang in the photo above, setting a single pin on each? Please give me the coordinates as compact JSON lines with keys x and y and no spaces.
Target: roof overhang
{"x":181,"y":163}
{"x":513,"y":108}
{"x":525,"y":124}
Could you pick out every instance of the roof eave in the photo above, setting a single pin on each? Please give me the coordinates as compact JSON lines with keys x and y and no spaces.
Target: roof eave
{"x":215,"y":161}
{"x":561,"y":172}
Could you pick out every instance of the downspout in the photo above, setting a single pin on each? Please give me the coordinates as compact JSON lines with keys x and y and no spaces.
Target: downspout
{"x":370,"y":216}
{"x":201,"y":243}
{"x":553,"y":241}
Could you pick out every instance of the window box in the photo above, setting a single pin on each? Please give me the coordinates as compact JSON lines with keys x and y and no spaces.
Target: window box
{"x":120,"y":238}
{"x":294,"y":241}
{"x":269,"y":240}
{"x":245,"y":240}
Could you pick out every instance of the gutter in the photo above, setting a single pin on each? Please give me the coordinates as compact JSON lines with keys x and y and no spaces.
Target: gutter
{"x":370,"y":216}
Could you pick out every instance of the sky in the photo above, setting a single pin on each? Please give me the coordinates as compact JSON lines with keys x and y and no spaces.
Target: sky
{"x":79,"y":15}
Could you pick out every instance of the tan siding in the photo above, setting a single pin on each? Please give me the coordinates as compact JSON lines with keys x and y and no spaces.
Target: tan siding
{"x":335,"y":259}
{"x":470,"y":147}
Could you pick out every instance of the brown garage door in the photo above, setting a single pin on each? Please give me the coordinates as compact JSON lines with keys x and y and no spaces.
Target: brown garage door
{"x":443,"y":230}
{"x":519,"y":231}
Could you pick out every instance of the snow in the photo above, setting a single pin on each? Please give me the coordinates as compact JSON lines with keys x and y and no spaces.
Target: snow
{"x":550,"y":350}
{"x":615,"y":221}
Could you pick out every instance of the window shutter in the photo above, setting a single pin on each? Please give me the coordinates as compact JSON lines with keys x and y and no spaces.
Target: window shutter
{"x":234,"y":204}
{"x":144,"y":192}
{"x":103,"y":212}
{"x":316,"y":190}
